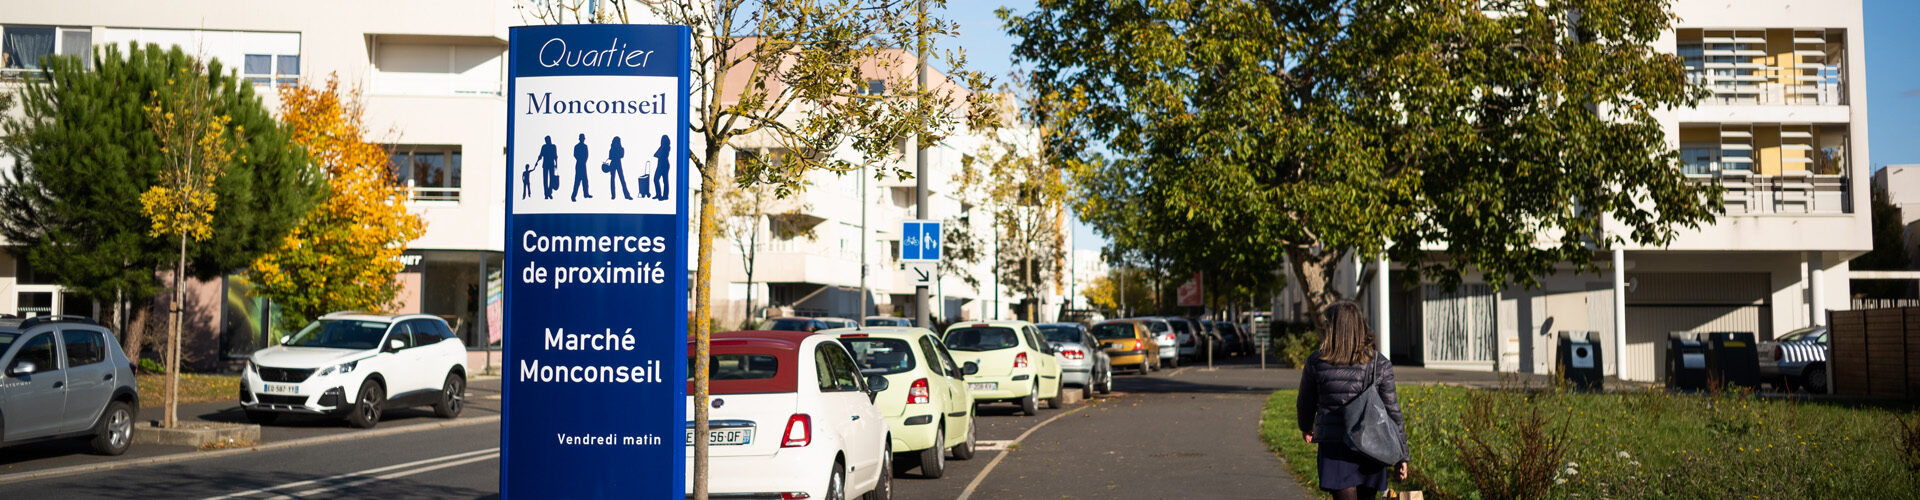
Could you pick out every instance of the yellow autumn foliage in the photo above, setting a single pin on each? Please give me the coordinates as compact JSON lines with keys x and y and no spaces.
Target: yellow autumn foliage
{"x":344,"y":254}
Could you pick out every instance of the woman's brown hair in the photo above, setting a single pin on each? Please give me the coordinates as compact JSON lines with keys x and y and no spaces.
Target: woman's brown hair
{"x":1347,"y":340}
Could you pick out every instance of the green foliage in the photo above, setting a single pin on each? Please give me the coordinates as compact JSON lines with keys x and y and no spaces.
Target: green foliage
{"x":1642,"y":444}
{"x":148,"y":365}
{"x":1239,"y":133}
{"x":1889,"y":252}
{"x":86,"y":153}
{"x":1297,"y":345}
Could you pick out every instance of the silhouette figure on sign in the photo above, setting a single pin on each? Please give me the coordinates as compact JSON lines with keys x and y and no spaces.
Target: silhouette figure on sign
{"x":580,"y":171}
{"x":526,"y":181}
{"x":615,"y":173}
{"x":661,"y":168}
{"x":549,"y":167}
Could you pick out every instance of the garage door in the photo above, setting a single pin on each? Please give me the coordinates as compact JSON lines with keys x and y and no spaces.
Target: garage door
{"x":1662,"y":303}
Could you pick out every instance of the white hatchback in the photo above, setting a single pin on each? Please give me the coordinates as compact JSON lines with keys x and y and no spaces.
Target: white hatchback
{"x":358,"y":365}
{"x":791,"y":417}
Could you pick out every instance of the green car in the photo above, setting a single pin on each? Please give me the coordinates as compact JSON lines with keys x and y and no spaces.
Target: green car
{"x":1014,"y":363}
{"x":925,"y":399}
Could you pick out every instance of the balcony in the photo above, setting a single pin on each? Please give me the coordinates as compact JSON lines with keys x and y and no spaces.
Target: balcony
{"x":1773,"y":66}
{"x":1771,"y":168}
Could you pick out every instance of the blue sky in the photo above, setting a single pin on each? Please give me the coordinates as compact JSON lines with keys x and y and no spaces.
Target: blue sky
{"x":1893,"y":75}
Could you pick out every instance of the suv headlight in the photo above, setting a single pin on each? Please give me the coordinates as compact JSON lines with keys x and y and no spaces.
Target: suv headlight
{"x":342,"y":368}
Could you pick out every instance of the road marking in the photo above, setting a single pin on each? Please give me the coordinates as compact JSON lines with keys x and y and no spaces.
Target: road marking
{"x":988,"y":445}
{"x":1177,"y":372}
{"x":964,"y":494}
{"x":485,"y":454}
{"x":316,"y":491}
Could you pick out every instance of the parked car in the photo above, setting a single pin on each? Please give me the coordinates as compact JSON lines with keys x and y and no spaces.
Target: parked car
{"x":1210,"y":342}
{"x":1012,"y":363}
{"x":1083,"y":363}
{"x":1191,"y":342}
{"x":791,"y":417}
{"x":1161,"y":332}
{"x":885,"y":321}
{"x":803,"y":324}
{"x":1797,"y":358}
{"x":926,"y":398}
{"x":1237,"y":341}
{"x":65,"y":377}
{"x":358,"y":365}
{"x":1129,"y":343}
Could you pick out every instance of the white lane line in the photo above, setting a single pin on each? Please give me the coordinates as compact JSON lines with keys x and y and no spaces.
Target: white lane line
{"x":964,"y":494}
{"x":354,"y":474}
{"x":316,"y":491}
{"x":1178,"y":371}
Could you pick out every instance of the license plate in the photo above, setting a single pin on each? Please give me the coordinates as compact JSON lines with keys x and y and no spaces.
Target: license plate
{"x":983,"y":386}
{"x":725,"y":437}
{"x":281,"y":388}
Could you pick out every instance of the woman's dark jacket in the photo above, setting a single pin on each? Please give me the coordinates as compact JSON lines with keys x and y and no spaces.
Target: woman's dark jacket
{"x":1325,"y":387}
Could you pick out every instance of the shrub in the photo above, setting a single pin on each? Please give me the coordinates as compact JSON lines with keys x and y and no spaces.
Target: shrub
{"x":1511,"y":451}
{"x":148,"y":365}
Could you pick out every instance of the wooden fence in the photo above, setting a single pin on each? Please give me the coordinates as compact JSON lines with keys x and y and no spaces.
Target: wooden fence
{"x":1876,"y":352}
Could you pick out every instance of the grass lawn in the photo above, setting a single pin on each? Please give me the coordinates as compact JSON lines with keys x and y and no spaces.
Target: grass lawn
{"x":1644,"y":444}
{"x":194,"y":388}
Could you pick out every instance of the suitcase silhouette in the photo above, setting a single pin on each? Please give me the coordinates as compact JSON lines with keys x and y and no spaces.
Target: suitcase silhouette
{"x":646,"y":184}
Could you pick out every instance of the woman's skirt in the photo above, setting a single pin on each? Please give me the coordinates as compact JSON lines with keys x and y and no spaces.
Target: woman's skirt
{"x":1342,"y":468}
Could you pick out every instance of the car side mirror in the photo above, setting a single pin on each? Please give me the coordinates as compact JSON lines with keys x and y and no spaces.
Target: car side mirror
{"x":285,"y":338}
{"x":876,"y":383}
{"x":970,"y":368}
{"x":394,"y":345}
{"x":22,"y":368}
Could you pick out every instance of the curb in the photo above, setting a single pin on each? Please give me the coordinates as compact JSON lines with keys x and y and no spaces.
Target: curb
{"x":197,"y":455}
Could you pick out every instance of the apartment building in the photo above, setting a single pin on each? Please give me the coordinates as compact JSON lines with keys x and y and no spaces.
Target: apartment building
{"x":432,"y":77}
{"x":808,"y":255}
{"x":1784,"y":132}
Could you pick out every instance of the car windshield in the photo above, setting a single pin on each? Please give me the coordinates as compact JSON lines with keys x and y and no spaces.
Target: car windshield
{"x":982,"y":339}
{"x":879,"y":356}
{"x":883,"y":322}
{"x":1797,"y":335}
{"x":340,"y":334}
{"x":739,"y":366}
{"x":1156,"y":326}
{"x":788,"y":325}
{"x":1060,"y":333}
{"x":6,"y":340}
{"x":1112,"y":331}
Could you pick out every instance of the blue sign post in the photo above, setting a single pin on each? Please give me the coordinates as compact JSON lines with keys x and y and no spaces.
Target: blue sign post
{"x":596,"y":251}
{"x":920,"y":241}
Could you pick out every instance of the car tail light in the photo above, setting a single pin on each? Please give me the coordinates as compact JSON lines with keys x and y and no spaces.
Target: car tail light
{"x":1020,"y":361}
{"x":918,"y":393}
{"x":799,"y":431}
{"x":1074,"y":354}
{"x":1779,"y":353}
{"x":795,"y":495}
{"x":853,"y":336}
{"x":981,"y":325}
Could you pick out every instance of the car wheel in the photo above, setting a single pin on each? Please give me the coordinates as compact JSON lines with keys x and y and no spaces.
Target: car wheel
{"x":114,"y":432}
{"x":262,"y":417}
{"x":366,"y":409}
{"x":1086,"y":391}
{"x":1030,"y":405}
{"x":1054,"y":402}
{"x":837,"y":483}
{"x":453,"y":397}
{"x":1175,"y":363}
{"x":966,"y":449}
{"x":883,"y":489}
{"x":1815,"y":379}
{"x":1107,"y":387}
{"x":933,"y":461}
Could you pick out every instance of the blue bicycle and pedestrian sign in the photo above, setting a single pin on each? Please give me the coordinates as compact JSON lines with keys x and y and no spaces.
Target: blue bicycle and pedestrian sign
{"x":920,"y":241}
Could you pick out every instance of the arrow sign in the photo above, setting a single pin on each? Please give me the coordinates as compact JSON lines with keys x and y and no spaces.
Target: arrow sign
{"x":924,"y":273}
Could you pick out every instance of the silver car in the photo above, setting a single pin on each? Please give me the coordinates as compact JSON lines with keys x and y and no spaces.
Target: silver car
{"x":1083,"y":363}
{"x":65,"y":377}
{"x":1797,"y":358}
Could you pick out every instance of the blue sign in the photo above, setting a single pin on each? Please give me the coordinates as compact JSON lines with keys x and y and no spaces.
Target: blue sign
{"x":920,"y":241}
{"x":596,"y":251}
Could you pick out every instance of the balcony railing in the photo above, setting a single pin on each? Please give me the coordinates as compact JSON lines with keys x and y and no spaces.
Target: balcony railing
{"x":435,"y":194}
{"x":1793,"y":192}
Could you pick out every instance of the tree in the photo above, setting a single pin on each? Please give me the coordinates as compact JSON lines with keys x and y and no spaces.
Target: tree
{"x":1889,"y":250}
{"x":747,"y":212}
{"x":1121,"y":291}
{"x":799,"y":75}
{"x":1026,"y":197}
{"x":1511,"y":134}
{"x":344,"y":254}
{"x":87,"y":152}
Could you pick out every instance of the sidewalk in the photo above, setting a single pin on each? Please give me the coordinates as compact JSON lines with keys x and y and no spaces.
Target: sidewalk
{"x":483,"y":401}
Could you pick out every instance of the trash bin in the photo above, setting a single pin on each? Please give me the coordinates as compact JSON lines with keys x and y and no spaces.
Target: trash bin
{"x":1580,"y":360}
{"x":1733,"y":359}
{"x":1686,"y":362}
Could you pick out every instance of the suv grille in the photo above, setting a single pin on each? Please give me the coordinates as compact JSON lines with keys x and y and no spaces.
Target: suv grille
{"x":285,"y":374}
{"x":270,"y":399}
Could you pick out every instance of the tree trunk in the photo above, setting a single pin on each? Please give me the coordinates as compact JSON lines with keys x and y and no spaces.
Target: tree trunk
{"x":1313,"y":271}
{"x":703,"y":332}
{"x":172,"y":416}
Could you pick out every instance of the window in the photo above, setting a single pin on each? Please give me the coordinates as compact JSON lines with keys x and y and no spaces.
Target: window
{"x":424,"y":333}
{"x":402,"y":333}
{"x":422,"y":66}
{"x":430,"y":173}
{"x":836,"y":370}
{"x":39,"y":351}
{"x":881,"y":356}
{"x":875,"y":87}
{"x":84,"y":347}
{"x":31,"y":304}
{"x":268,"y":69}
{"x":25,"y":48}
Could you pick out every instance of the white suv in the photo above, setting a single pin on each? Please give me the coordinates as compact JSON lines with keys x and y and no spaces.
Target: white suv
{"x":358,"y":364}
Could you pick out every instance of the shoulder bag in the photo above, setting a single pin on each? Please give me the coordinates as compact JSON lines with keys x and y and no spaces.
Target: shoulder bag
{"x":1368,"y":428}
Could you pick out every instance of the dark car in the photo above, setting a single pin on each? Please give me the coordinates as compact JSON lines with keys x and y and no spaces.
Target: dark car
{"x":65,"y":377}
{"x":1236,"y":342}
{"x":800,"y":324}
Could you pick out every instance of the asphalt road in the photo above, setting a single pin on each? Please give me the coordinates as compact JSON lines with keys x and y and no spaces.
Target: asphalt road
{"x":1186,"y":433}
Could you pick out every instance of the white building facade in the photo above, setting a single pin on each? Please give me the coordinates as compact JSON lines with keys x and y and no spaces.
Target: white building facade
{"x":1784,"y":132}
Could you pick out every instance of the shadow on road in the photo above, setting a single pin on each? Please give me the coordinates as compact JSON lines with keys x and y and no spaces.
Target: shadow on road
{"x":187,"y":482}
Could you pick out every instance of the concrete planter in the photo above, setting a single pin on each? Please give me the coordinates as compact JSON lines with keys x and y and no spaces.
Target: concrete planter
{"x":196,"y":434}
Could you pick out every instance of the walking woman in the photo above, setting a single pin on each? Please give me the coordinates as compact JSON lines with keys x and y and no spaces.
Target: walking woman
{"x":1348,"y":360}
